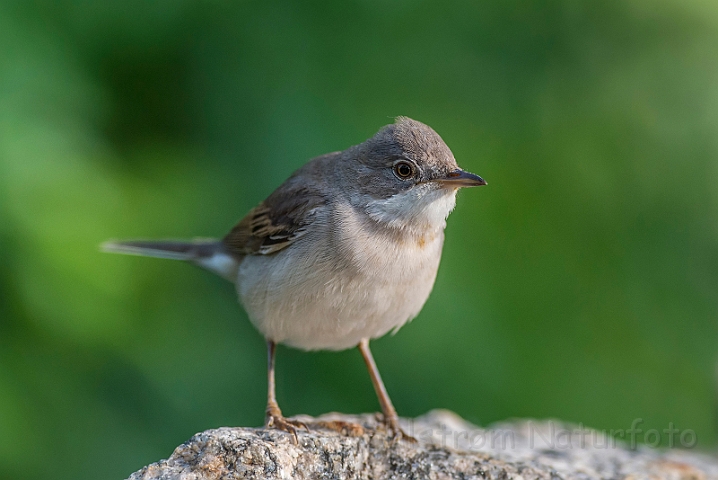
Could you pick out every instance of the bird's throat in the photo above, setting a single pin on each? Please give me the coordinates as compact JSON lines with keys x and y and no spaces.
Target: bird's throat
{"x":420,"y":210}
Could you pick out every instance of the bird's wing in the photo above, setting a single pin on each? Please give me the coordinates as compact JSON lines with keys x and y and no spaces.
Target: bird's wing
{"x":275,"y":223}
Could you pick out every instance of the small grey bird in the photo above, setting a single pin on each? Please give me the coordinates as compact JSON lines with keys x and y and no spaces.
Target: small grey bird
{"x":344,"y":251}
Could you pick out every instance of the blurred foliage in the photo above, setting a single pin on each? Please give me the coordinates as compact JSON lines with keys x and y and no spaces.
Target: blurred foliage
{"x":582,"y":283}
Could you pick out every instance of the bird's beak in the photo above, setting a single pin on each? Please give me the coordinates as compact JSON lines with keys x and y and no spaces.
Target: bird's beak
{"x":460,"y":178}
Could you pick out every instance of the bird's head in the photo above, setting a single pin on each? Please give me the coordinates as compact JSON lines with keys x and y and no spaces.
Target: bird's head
{"x":406,"y":176}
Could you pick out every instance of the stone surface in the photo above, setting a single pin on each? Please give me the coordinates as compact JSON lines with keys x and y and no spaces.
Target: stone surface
{"x":448,"y":448}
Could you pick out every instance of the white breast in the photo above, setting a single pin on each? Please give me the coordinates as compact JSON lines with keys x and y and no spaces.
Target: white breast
{"x":347,"y":279}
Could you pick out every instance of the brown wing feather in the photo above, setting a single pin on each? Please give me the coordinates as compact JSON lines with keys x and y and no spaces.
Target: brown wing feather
{"x":275,"y":223}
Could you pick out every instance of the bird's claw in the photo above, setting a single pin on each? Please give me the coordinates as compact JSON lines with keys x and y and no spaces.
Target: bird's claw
{"x":275,"y":419}
{"x":348,"y":429}
{"x":397,"y":433}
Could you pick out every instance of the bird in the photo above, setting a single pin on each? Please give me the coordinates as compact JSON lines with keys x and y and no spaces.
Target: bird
{"x":344,"y":251}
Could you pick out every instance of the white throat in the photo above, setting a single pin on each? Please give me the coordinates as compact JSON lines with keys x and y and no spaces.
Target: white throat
{"x":423,"y":207}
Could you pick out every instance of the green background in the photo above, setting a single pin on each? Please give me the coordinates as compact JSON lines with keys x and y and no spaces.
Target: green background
{"x":581,"y":284}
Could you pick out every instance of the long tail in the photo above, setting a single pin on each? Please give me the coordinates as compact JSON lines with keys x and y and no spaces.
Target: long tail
{"x":206,"y":253}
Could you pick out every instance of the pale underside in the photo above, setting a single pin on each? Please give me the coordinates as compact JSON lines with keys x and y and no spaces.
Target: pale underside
{"x":347,"y":277}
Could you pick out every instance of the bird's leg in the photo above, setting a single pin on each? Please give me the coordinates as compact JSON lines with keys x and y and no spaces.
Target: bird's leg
{"x":273,"y":415}
{"x":391,"y":419}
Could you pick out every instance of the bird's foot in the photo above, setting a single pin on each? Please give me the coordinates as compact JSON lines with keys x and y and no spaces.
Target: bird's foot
{"x":348,"y":429}
{"x":274,"y":419}
{"x":391,"y":423}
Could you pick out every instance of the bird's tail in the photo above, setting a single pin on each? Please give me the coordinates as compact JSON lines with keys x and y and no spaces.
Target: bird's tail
{"x":210,"y":254}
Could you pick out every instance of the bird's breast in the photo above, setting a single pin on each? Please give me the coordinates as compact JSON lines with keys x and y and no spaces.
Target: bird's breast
{"x":341,"y":282}
{"x":386,"y":254}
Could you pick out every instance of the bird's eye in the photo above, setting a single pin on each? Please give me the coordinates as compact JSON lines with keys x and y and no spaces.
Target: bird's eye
{"x":403,"y":170}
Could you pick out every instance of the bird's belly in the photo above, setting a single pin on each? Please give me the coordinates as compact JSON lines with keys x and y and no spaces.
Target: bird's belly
{"x":311,"y":298}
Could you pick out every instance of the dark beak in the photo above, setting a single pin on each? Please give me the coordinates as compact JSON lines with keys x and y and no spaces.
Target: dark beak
{"x":460,"y":178}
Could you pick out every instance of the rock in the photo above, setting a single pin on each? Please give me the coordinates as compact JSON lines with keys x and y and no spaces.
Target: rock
{"x":448,"y":448}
